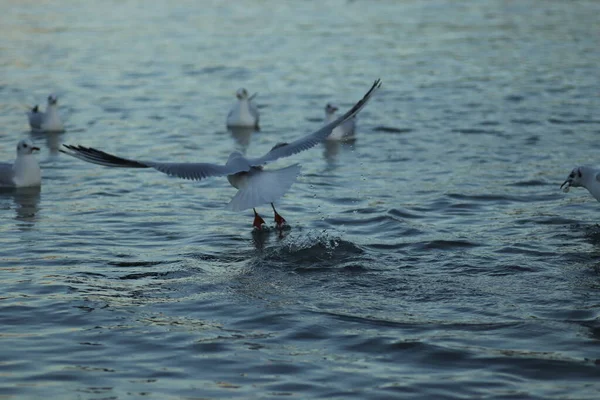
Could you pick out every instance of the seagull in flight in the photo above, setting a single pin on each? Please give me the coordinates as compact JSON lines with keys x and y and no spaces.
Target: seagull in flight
{"x":244,"y":112}
{"x":256,"y":185}
{"x":25,"y":171}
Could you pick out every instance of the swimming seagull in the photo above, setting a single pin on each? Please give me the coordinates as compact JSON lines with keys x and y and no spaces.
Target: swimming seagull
{"x":344,"y":131}
{"x":35,"y":117}
{"x":256,"y":186}
{"x":25,"y":171}
{"x":48,"y":121}
{"x":587,"y":177}
{"x":244,"y":112}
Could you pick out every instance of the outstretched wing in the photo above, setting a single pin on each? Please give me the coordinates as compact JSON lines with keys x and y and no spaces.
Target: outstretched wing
{"x":192,"y":171}
{"x":305,"y":143}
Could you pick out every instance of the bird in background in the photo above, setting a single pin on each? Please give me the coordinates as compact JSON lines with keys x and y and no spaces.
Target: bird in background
{"x":342,"y":132}
{"x":256,"y":186}
{"x":244,"y":112}
{"x":48,"y":121}
{"x":24,"y":171}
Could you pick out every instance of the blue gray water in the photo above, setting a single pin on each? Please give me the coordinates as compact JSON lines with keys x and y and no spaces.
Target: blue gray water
{"x":433,"y":258}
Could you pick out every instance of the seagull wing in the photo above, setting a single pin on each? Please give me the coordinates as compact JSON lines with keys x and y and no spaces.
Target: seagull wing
{"x":287,"y":149}
{"x":192,"y":171}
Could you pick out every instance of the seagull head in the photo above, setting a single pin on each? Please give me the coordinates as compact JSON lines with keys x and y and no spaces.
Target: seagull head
{"x":241,"y":94}
{"x":577,"y":178}
{"x":52,"y":99}
{"x":26,"y":146}
{"x":330,"y":109}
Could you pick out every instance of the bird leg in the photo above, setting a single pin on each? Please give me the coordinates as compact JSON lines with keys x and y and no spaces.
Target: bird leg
{"x":258,"y":221}
{"x":279,"y":220}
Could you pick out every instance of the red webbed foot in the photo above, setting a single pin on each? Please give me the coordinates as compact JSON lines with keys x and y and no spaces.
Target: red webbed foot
{"x":258,"y":221}
{"x":279,"y":220}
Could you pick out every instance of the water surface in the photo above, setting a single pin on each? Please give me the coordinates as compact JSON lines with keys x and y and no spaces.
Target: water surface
{"x":435,"y":257}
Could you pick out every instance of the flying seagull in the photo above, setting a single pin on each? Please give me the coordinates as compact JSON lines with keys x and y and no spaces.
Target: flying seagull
{"x":256,"y":186}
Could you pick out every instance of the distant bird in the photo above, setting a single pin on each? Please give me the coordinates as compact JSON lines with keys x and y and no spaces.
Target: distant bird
{"x":48,"y":121}
{"x":586,"y":177}
{"x":256,"y":186}
{"x":244,"y":112}
{"x":343,"y":132}
{"x":35,"y":117}
{"x":25,"y":171}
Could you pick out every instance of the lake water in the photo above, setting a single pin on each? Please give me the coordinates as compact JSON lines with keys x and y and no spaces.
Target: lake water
{"x":434,"y":258}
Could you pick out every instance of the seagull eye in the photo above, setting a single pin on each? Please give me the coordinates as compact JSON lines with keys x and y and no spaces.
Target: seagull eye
{"x":25,"y":145}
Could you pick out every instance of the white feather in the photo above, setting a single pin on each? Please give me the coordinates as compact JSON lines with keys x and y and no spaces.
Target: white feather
{"x":259,"y":186}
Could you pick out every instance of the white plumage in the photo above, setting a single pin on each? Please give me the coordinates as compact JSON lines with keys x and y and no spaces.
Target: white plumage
{"x":25,"y":171}
{"x":48,"y":121}
{"x":244,"y":112}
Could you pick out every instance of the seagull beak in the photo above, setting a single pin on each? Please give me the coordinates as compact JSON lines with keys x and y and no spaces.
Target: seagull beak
{"x":568,"y":181}
{"x":35,"y":149}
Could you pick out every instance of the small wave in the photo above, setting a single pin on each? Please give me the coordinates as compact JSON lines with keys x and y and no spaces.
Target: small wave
{"x":531,"y":182}
{"x":143,"y":275}
{"x":475,"y":131}
{"x":490,"y":123}
{"x":558,"y":121}
{"x":448,"y":244}
{"x":514,"y":98}
{"x":403,"y":214}
{"x":389,"y":129}
{"x":135,"y":263}
{"x":519,"y":250}
{"x":524,"y":121}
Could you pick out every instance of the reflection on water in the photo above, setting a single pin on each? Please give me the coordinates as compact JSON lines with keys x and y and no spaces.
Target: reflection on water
{"x":25,"y":202}
{"x":53,"y":140}
{"x":332,"y":148}
{"x":241,"y":135}
{"x":261,"y":237}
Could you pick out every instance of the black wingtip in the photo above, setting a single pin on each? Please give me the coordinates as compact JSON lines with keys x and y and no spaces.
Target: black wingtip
{"x":99,"y":157}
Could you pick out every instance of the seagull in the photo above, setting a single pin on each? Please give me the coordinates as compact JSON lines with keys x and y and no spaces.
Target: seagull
{"x":48,"y":121}
{"x":35,"y":117}
{"x":25,"y":171}
{"x":243,"y":113}
{"x":343,"y":132}
{"x":256,"y":186}
{"x":587,"y":177}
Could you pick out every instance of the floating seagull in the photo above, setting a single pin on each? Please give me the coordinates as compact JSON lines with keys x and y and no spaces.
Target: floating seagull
{"x":35,"y":117}
{"x":587,"y":177}
{"x":244,"y":112}
{"x":48,"y":121}
{"x":256,"y":186}
{"x":25,"y":171}
{"x":343,"y":132}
